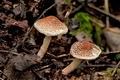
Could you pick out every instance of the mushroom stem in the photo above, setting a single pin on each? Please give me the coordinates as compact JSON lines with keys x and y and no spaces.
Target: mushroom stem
{"x":44,"y":47}
{"x":71,"y":67}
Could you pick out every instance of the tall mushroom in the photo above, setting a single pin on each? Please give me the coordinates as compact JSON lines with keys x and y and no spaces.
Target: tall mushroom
{"x":49,"y":26}
{"x":82,"y":50}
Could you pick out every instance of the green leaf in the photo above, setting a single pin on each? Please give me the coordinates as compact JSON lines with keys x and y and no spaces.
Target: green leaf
{"x":67,"y":1}
{"x":117,"y":57}
{"x":75,"y":32}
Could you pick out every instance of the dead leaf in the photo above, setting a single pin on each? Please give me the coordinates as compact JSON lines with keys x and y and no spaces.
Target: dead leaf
{"x":9,"y":21}
{"x":113,"y":38}
{"x":2,"y":60}
{"x":29,"y":76}
{"x":17,"y":64}
{"x":21,"y":24}
{"x":17,"y":9}
{"x":76,"y":78}
{"x":23,"y":62}
{"x":9,"y":71}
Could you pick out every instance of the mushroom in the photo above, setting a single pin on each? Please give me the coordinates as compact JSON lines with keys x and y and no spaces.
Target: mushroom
{"x":49,"y":26}
{"x":81,"y":50}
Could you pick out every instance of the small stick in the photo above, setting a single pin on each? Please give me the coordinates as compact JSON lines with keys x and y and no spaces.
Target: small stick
{"x":76,"y":9}
{"x":115,"y":68}
{"x":3,"y":74}
{"x":63,"y":55}
{"x":5,"y":51}
{"x":106,"y":4}
{"x":98,"y":65}
{"x":112,"y":52}
{"x":1,"y":79}
{"x":52,"y":55}
{"x":38,"y":75}
{"x":103,"y":12}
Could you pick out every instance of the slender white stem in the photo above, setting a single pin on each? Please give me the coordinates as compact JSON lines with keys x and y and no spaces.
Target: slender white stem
{"x":44,"y":47}
{"x":71,"y":67}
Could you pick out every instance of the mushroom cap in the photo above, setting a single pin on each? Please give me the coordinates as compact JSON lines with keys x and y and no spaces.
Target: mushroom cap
{"x":85,"y":50}
{"x":50,"y":26}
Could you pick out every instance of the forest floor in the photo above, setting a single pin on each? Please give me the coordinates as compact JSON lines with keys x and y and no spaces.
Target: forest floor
{"x":94,"y":20}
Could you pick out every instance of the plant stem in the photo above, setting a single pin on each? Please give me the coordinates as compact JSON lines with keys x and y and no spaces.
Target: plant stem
{"x":114,"y":71}
{"x":103,"y":12}
{"x":72,"y":66}
{"x":106,"y":4}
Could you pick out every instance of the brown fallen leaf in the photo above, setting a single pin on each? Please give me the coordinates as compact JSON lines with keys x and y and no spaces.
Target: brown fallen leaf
{"x":21,"y":24}
{"x":9,"y":71}
{"x":3,"y":60}
{"x":76,"y":78}
{"x":29,"y":76}
{"x":9,"y":21}
{"x":23,"y":62}
{"x":112,"y":36}
{"x":17,"y":64}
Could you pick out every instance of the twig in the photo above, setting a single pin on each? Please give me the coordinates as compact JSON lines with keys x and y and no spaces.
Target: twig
{"x":38,"y":75}
{"x":46,"y":10}
{"x":115,"y":68}
{"x":45,"y":67}
{"x":59,"y":56}
{"x":1,"y":79}
{"x":63,"y":55}
{"x":52,"y":55}
{"x":77,"y":9}
{"x":106,"y":4}
{"x":3,"y":73}
{"x":97,"y":22}
{"x":7,"y":51}
{"x":112,"y":52}
{"x":98,"y":65}
{"x":103,"y":12}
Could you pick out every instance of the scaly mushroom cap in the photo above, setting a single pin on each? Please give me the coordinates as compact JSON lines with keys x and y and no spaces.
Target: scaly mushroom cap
{"x":85,"y":50}
{"x":51,"y":26}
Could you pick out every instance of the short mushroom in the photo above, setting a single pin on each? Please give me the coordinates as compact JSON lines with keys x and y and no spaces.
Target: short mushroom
{"x":49,"y":26}
{"x":82,"y":50}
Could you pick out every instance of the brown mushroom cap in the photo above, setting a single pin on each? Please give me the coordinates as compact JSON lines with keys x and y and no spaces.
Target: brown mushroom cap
{"x":51,"y":26}
{"x":85,"y":50}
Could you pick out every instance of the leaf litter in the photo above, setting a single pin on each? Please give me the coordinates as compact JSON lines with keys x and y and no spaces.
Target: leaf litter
{"x":18,"y":56}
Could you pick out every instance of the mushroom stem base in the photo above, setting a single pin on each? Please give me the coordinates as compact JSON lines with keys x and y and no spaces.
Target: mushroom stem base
{"x":71,"y":67}
{"x":44,"y":47}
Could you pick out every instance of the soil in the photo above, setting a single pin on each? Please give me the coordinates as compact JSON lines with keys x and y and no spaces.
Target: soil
{"x":20,"y":42}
